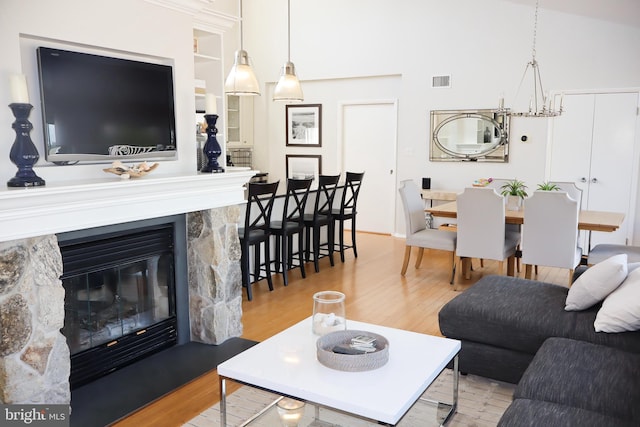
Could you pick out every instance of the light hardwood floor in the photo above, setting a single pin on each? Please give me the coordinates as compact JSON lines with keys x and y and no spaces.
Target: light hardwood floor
{"x":376,"y":293}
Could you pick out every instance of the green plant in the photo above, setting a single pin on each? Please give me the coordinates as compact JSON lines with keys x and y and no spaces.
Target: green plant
{"x":514,"y":187}
{"x":548,"y":186}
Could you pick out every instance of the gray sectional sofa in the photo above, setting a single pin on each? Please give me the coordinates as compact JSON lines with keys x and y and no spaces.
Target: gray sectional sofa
{"x":517,"y":330}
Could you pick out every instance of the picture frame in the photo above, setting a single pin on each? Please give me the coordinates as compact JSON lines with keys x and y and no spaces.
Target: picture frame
{"x":304,"y":125}
{"x":304,"y":166}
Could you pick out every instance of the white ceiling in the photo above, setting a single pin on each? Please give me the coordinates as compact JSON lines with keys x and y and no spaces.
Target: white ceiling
{"x":625,"y":12}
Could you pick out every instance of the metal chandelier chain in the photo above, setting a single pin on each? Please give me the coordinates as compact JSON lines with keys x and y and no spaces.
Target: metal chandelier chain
{"x":535,"y":31}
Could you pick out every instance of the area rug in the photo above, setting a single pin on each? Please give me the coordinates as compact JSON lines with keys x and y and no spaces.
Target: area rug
{"x":481,"y":403}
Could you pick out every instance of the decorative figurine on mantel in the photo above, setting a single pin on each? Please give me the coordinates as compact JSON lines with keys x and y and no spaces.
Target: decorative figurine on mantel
{"x":23,"y":153}
{"x":211,"y":149}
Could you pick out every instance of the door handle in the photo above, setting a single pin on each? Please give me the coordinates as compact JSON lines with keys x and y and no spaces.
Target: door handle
{"x":390,"y":171}
{"x":583,"y":179}
{"x":594,"y":180}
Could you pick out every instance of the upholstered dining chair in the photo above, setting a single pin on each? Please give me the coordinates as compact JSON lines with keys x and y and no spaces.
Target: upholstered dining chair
{"x":417,"y":233}
{"x":255,"y":232}
{"x":291,"y":223}
{"x":550,"y":232}
{"x":321,"y":217}
{"x":513,"y":229}
{"x":571,"y":189}
{"x":481,"y":228}
{"x":347,"y":211}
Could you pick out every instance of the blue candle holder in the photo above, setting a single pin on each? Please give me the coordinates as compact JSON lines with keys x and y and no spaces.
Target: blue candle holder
{"x":23,"y":153}
{"x":212,"y":149}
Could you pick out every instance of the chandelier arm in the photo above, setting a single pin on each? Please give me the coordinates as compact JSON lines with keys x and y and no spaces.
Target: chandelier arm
{"x":542,"y":92}
{"x":524,"y":75}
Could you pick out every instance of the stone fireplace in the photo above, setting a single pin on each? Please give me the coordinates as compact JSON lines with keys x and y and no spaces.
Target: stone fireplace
{"x":34,"y":355}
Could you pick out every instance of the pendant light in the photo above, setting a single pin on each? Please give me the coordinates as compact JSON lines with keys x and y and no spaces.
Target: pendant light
{"x":241,"y":80}
{"x":288,"y":87}
{"x":539,"y":105}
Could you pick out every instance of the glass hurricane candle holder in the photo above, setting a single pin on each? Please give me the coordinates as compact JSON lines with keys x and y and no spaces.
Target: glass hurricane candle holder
{"x":290,"y":411}
{"x":328,"y":312}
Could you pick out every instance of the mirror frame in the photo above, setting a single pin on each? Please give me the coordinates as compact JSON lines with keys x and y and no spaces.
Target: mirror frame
{"x":499,"y":118}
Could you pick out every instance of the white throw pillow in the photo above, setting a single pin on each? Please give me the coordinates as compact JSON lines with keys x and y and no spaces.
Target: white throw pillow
{"x":632,"y":266}
{"x":596,"y":283}
{"x":621,"y":309}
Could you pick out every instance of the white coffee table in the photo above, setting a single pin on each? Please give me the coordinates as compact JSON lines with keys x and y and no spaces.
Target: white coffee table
{"x":287,"y":364}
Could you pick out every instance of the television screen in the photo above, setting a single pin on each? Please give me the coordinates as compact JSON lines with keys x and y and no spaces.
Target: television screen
{"x":97,"y":108}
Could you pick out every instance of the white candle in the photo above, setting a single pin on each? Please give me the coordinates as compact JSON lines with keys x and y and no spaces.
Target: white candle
{"x":19,"y":92}
{"x":211,"y":105}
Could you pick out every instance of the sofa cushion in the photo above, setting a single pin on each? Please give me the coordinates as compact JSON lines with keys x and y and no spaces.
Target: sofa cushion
{"x":520,"y":314}
{"x":596,"y":283}
{"x":621,"y":309}
{"x":535,"y":413}
{"x":585,"y":376}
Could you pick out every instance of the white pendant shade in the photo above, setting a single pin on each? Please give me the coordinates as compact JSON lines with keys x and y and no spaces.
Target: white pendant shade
{"x":288,"y":87}
{"x":241,"y":79}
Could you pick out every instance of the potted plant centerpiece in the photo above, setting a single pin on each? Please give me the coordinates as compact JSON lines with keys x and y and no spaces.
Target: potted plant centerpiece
{"x":548,"y":186}
{"x":515,"y":191}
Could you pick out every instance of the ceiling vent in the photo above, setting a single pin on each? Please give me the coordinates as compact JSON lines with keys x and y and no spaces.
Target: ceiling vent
{"x":441,"y":81}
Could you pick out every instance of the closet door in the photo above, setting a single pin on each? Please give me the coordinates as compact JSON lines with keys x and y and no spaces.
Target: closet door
{"x":592,"y":144}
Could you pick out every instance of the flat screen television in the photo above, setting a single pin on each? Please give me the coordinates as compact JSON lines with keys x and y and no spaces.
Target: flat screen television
{"x":97,"y":108}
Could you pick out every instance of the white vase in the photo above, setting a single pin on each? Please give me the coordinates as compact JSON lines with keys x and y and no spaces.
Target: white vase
{"x":514,"y":203}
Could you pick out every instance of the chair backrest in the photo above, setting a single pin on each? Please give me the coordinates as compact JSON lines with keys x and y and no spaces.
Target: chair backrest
{"x":296,"y":200}
{"x":413,"y":204}
{"x":327,"y":185}
{"x":349,"y":199}
{"x":550,"y":229}
{"x":571,"y":189}
{"x":481,"y":223}
{"x":259,"y":205}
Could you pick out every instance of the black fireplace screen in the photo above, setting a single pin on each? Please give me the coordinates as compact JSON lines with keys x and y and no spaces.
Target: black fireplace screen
{"x":119,"y":301}
{"x":103,"y":306}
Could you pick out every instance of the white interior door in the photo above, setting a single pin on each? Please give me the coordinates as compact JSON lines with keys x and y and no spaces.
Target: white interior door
{"x":369,"y":145}
{"x":593,"y":145}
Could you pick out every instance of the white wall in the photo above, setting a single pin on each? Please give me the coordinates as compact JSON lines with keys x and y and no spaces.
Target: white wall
{"x":117,"y":27}
{"x":484,"y":45}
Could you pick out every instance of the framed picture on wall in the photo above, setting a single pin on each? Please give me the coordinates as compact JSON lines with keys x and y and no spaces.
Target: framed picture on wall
{"x":304,"y":125}
{"x":304,"y":166}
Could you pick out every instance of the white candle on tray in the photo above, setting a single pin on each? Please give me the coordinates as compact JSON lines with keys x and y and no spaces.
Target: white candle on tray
{"x":211,"y":106}
{"x":19,"y":92}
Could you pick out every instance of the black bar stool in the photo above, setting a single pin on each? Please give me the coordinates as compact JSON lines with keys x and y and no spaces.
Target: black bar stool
{"x":321,"y":217}
{"x":255,"y":232}
{"x":347,"y":211}
{"x":291,"y":223}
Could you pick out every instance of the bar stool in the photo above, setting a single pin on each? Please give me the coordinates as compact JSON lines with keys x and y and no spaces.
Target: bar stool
{"x":257,"y":218}
{"x":291,"y":223}
{"x":320,"y":217}
{"x":347,"y":211}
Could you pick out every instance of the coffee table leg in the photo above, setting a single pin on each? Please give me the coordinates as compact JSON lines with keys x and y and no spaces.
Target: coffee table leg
{"x":456,"y":377}
{"x":223,"y":402}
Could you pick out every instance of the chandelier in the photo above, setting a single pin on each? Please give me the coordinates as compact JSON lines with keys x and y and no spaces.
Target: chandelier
{"x":540,"y":104}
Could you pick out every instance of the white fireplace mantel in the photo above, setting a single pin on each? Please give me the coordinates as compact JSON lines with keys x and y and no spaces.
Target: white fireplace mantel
{"x":68,"y":206}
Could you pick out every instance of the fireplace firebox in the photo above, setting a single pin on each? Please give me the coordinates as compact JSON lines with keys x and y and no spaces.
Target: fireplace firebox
{"x":120,"y":298}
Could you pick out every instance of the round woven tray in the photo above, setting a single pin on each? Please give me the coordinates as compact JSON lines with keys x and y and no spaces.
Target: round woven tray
{"x":351,"y":362}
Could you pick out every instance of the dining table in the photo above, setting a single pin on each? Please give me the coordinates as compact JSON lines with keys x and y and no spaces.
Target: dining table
{"x":588,"y":220}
